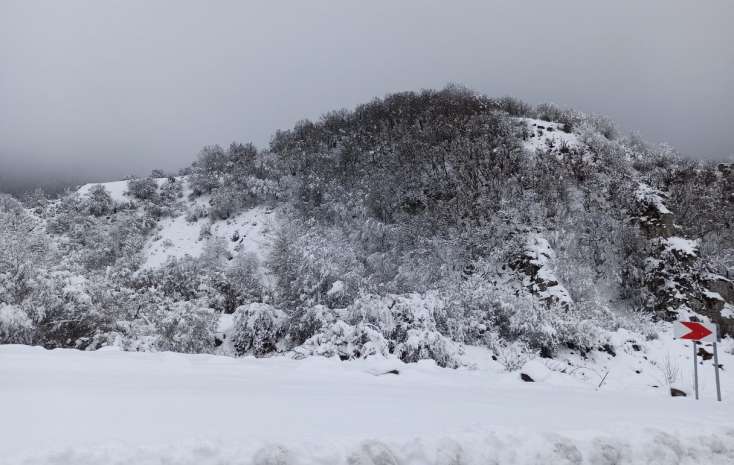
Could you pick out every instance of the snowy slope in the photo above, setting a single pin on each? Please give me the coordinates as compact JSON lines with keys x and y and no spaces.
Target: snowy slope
{"x":117,"y":189}
{"x":72,"y":407}
{"x":176,"y":237}
{"x":541,"y":133}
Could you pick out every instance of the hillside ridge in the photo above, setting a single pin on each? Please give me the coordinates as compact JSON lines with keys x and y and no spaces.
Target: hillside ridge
{"x":412,"y":227}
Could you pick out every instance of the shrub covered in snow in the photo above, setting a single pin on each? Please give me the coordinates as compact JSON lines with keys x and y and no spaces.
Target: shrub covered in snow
{"x":307,"y":263}
{"x":408,"y":323}
{"x":224,"y":201}
{"x":143,"y":188}
{"x":421,"y":344}
{"x":243,"y":277}
{"x":186,"y":327}
{"x":305,"y":322}
{"x":99,"y":202}
{"x":511,"y":355}
{"x":258,"y":329}
{"x":15,"y":325}
{"x":345,"y":341}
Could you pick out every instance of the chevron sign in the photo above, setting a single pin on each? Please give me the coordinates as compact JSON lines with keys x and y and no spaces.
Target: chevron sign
{"x":695,"y":331}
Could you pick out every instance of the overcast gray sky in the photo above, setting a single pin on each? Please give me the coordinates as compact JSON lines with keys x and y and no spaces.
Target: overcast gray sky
{"x":101,"y":89}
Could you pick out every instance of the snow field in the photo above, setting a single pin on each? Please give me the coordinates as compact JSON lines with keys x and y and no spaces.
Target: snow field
{"x":544,"y":132}
{"x":70,"y":407}
{"x":176,"y":237}
{"x":117,"y":189}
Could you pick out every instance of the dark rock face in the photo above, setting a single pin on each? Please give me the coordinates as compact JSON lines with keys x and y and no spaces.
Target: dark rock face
{"x":654,"y":223}
{"x":672,"y":278}
{"x":720,"y":285}
{"x":726,"y":325}
{"x":712,"y":302}
{"x":535,"y":264}
{"x":677,"y":393}
{"x":672,"y":274}
{"x":526,"y":378}
{"x":718,"y":292}
{"x":654,"y":218}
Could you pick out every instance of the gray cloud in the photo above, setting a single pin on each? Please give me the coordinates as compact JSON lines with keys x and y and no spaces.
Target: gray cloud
{"x":92,"y":89}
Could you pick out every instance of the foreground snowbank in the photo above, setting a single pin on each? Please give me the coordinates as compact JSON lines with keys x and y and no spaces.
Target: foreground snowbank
{"x":70,"y":407}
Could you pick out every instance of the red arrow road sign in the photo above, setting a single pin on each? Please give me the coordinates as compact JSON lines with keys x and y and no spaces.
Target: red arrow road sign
{"x":695,"y":331}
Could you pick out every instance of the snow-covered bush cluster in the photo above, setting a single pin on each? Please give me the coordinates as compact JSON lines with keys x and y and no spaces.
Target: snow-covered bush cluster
{"x":410,"y":226}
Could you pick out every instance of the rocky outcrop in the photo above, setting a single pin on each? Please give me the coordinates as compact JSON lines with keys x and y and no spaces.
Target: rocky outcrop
{"x":718,"y":306}
{"x":654,"y":218}
{"x":670,"y":276}
{"x":672,"y":273}
{"x":535,"y":264}
{"x":720,"y":285}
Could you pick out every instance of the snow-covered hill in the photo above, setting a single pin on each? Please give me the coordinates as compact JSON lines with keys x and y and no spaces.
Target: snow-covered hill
{"x":77,"y":408}
{"x":433,"y":278}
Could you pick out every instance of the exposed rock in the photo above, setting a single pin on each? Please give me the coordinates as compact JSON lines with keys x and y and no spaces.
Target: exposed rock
{"x":677,"y":392}
{"x":670,"y":276}
{"x":608,"y":349}
{"x":720,"y":285}
{"x":526,"y":378}
{"x":713,"y":302}
{"x":536,"y":264}
{"x":719,"y":316}
{"x":653,"y":216}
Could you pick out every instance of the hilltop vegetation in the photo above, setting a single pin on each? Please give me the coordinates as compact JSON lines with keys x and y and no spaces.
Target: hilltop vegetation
{"x":411,"y":226}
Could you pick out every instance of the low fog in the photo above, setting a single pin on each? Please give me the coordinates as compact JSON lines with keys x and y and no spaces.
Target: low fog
{"x":100,"y":90}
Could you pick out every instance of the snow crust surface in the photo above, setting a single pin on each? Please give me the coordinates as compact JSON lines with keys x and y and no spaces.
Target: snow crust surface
{"x":70,"y":407}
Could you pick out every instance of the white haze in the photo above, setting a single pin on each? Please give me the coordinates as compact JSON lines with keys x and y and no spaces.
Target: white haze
{"x":98,"y":90}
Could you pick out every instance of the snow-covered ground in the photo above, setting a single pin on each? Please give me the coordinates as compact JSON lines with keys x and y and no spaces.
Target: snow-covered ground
{"x":249,"y":231}
{"x":110,"y":407}
{"x":117,"y":189}
{"x":542,"y":133}
{"x":69,"y":407}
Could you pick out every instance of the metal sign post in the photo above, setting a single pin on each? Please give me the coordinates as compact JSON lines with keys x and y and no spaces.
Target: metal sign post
{"x":716,"y":370}
{"x":695,"y":369}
